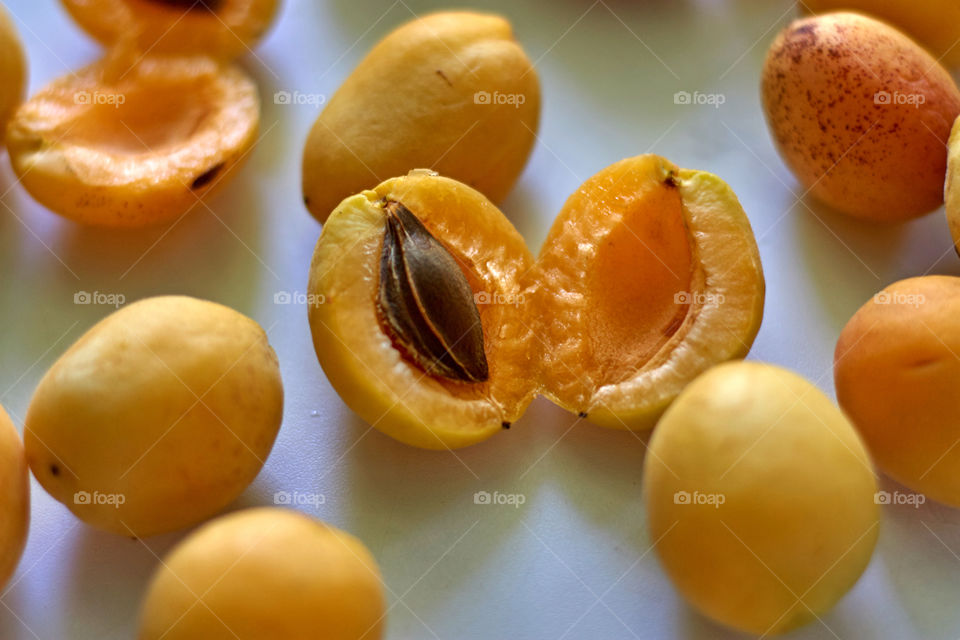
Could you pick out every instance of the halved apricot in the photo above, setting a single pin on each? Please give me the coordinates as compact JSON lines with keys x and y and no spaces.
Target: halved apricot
{"x":649,"y":276}
{"x":220,"y":28}
{"x":123,"y":146}
{"x":397,"y":275}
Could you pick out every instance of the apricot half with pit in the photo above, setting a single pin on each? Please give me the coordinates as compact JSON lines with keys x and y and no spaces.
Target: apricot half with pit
{"x":435,"y":324}
{"x":419,"y":321}
{"x":896,"y":371}
{"x":452,"y":91}
{"x":221,"y":28}
{"x":121,"y":146}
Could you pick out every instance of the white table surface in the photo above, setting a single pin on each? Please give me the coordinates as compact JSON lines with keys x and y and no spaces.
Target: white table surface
{"x":574,"y":560}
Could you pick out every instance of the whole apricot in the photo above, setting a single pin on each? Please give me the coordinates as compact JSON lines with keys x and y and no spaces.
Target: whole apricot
{"x":896,"y":372}
{"x":265,"y":573}
{"x":760,"y":498}
{"x":451,"y":91}
{"x":14,"y":498}
{"x":13,"y":70}
{"x":861,"y":114}
{"x":157,"y":417}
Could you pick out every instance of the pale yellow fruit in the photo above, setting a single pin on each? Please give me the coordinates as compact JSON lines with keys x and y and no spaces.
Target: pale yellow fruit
{"x":14,"y":498}
{"x":13,"y":70}
{"x":265,"y":573}
{"x":760,"y":498}
{"x":158,"y":417}
{"x":933,"y":23}
{"x":452,"y":91}
{"x":951,"y":189}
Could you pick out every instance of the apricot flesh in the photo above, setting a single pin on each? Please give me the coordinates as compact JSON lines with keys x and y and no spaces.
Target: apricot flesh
{"x":14,"y":498}
{"x":649,"y":275}
{"x":113,"y":145}
{"x":760,"y":497}
{"x":265,"y":573}
{"x":362,"y":362}
{"x":896,"y":373}
{"x":451,"y":91}
{"x":224,"y":29}
{"x":861,"y":114}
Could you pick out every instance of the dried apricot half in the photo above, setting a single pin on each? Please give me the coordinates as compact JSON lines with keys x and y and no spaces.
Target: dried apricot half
{"x":649,"y":276}
{"x":220,"y":28}
{"x":417,"y":312}
{"x":122,"y":146}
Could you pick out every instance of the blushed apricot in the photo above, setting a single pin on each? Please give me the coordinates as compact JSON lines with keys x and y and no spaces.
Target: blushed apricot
{"x":452,"y":91}
{"x":220,"y":28}
{"x":121,"y":146}
{"x":649,"y":276}
{"x":861,"y":114}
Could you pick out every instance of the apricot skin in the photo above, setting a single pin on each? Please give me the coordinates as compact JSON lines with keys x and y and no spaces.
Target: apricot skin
{"x":861,"y":114}
{"x":412,"y":103}
{"x":896,"y":372}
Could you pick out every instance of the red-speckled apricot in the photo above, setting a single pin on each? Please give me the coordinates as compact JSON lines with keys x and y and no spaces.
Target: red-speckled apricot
{"x":861,"y":114}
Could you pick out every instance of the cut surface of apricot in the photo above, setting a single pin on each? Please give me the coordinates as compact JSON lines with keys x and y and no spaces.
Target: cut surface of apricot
{"x":649,"y":276}
{"x":220,"y":28}
{"x":115,"y":145}
{"x":364,"y":335}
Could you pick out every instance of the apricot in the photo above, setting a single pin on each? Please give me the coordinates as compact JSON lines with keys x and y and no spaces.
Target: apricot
{"x":452,"y":91}
{"x":951,"y":188}
{"x":120,"y":146}
{"x":225,"y":29}
{"x":435,"y":325}
{"x":14,"y":498}
{"x":649,"y":276}
{"x":265,"y":573}
{"x":157,"y":417}
{"x":760,"y":498}
{"x":896,"y":373}
{"x":933,"y":23}
{"x":379,"y":366}
{"x":13,"y":69}
{"x":861,"y":114}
